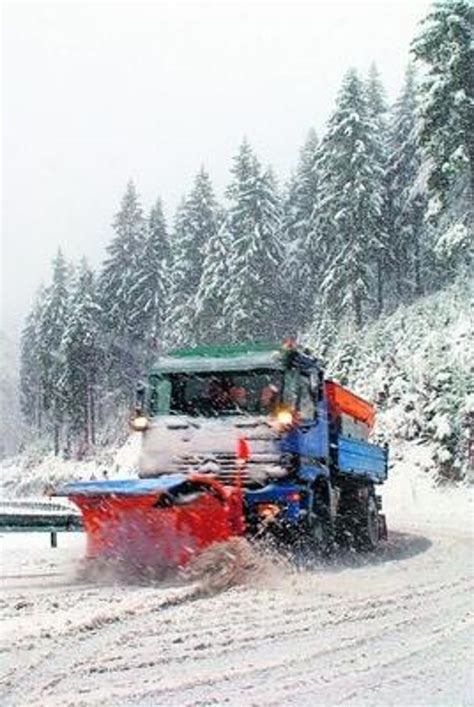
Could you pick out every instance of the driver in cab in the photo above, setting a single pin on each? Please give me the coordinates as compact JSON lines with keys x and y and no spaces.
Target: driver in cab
{"x":223,"y":396}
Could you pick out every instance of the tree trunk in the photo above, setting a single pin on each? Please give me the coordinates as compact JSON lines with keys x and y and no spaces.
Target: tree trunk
{"x":398,"y":272}
{"x":92,"y":415}
{"x":68,"y":442}
{"x":38,"y":412}
{"x":418,"y":223}
{"x":357,"y":310}
{"x":87,"y":433}
{"x":380,"y":274}
{"x":56,"y":439}
{"x":417,"y":264}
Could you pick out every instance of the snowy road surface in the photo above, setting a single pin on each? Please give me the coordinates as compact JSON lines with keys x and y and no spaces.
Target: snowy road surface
{"x":394,"y":628}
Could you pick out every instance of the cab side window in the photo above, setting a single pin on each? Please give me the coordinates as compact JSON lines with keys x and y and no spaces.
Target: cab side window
{"x":307,"y":406}
{"x":291,"y":388}
{"x":161,"y":397}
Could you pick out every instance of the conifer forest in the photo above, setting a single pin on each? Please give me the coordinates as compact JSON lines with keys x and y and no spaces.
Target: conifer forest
{"x":378,"y":212}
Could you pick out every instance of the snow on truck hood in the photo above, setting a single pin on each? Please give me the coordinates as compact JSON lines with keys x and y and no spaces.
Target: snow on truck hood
{"x":172,"y":440}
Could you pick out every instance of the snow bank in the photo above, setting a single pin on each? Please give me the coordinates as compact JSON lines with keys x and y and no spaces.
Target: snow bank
{"x":27,"y":475}
{"x":413,"y":499}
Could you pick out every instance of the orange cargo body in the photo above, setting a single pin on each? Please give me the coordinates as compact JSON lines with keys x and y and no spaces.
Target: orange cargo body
{"x":341,"y":400}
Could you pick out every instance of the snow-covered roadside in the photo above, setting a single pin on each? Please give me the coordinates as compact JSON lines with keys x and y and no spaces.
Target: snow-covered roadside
{"x":412,"y":499}
{"x":29,"y":556}
{"x":27,"y":476}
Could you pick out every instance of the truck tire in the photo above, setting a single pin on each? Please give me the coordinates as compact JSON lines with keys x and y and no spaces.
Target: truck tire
{"x":319,"y":531}
{"x":367,"y":525}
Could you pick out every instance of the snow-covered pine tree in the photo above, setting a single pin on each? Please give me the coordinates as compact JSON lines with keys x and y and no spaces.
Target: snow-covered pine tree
{"x":347,"y":223}
{"x":179,"y":321}
{"x":202,"y":218}
{"x":82,"y":359}
{"x":119,"y":274}
{"x":151,"y":287}
{"x":209,"y":321}
{"x":196,"y":222}
{"x":270,"y":202}
{"x":11,"y":429}
{"x":118,"y":280}
{"x":445,"y":49}
{"x":406,"y":192}
{"x":31,"y":393}
{"x":377,"y":108}
{"x":300,"y":266}
{"x":376,"y":98}
{"x":253,"y":229}
{"x":54,"y":312}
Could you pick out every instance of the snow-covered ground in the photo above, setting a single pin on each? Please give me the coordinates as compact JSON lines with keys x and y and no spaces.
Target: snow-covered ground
{"x":390,"y":628}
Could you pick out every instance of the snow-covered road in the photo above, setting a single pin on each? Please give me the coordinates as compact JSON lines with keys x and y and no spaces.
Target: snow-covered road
{"x":393,"y":628}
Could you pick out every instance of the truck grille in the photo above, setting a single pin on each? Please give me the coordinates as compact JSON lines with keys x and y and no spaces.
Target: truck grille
{"x":223,"y":466}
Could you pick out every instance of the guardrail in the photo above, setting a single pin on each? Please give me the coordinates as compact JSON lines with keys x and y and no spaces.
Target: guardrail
{"x":31,"y":516}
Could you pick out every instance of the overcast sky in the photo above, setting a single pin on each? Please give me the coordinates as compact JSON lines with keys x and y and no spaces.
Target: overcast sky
{"x":97,"y":93}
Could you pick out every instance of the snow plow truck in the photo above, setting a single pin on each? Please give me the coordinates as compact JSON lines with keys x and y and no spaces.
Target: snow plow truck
{"x":239,"y":441}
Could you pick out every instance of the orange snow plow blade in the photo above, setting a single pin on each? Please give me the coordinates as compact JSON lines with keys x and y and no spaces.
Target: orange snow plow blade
{"x":150,"y":522}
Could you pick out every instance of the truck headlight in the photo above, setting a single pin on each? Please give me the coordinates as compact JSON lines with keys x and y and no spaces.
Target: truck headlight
{"x":139,"y":423}
{"x":268,"y":511}
{"x":285,"y":418}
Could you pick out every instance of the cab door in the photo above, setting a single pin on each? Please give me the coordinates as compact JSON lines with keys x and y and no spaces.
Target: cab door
{"x":310,"y":429}
{"x":309,"y":440}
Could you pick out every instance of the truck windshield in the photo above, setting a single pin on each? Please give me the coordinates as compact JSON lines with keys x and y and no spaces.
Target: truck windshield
{"x":219,"y":394}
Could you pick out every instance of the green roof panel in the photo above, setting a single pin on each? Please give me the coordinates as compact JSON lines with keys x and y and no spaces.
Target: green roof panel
{"x":225,"y":351}
{"x":220,"y":358}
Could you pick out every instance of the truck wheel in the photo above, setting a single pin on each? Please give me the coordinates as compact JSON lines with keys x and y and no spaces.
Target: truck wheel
{"x":368,"y":534}
{"x":320,"y":531}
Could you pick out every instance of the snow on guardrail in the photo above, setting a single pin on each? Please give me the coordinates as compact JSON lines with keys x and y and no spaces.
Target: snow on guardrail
{"x":34,"y":506}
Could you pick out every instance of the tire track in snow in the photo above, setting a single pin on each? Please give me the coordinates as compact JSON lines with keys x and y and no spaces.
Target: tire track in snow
{"x":276,"y":668}
{"x":354,"y":616}
{"x":273,"y":672}
{"x":74,"y":638}
{"x":308,"y":634}
{"x":222,"y":644}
